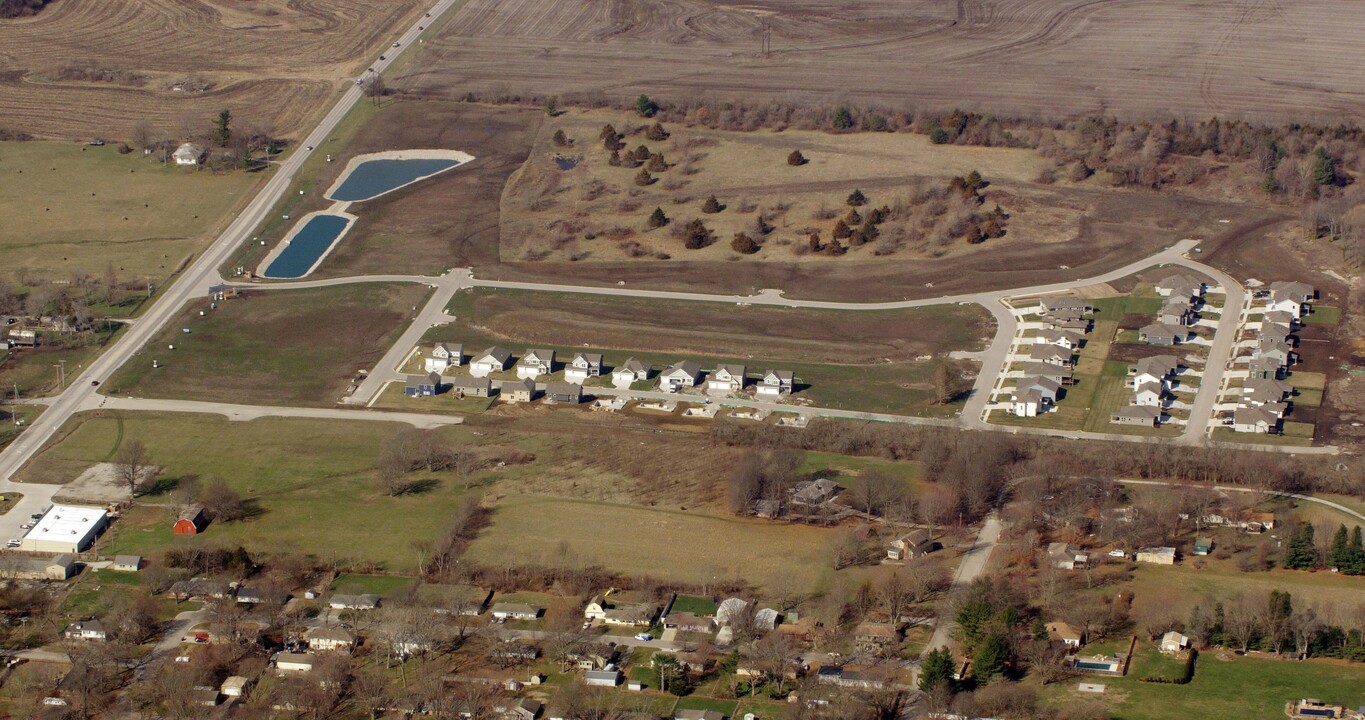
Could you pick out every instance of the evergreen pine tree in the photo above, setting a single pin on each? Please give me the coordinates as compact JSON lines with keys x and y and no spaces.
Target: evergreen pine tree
{"x":936,"y":669}
{"x":712,"y":206}
{"x":1324,"y":168}
{"x":843,"y":119}
{"x":657,"y":219}
{"x":1339,"y":553}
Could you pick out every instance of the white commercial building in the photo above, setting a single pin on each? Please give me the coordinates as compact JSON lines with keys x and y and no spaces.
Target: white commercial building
{"x":65,"y":529}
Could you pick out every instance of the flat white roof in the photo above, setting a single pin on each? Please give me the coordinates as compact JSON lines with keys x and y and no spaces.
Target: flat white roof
{"x":67,"y":523}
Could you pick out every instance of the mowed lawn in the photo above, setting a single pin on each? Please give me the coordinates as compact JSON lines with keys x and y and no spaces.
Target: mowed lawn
{"x":875,"y":361}
{"x":669,"y":544}
{"x":1238,"y":687}
{"x":276,"y":347}
{"x":311,"y":482}
{"x":74,"y":199}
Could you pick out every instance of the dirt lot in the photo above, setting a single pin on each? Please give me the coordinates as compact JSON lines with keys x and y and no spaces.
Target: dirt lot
{"x":1254,"y":60}
{"x":83,"y":68}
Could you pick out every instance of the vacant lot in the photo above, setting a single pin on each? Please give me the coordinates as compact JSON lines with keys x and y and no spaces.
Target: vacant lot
{"x":571,"y":202}
{"x":90,"y":209}
{"x":1144,"y":58}
{"x":83,"y":68}
{"x":272,"y":347}
{"x":309,"y":482}
{"x":645,"y":541}
{"x":867,"y":361}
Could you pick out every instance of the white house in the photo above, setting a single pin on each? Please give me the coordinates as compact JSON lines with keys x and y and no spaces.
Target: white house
{"x":1291,"y":297}
{"x":582,"y":367}
{"x":329,"y":639}
{"x":775,"y":383}
{"x":1149,"y":394}
{"x":86,"y":630}
{"x":726,"y":378}
{"x":681,"y":375}
{"x":1068,"y":339}
{"x":443,"y":357}
{"x":1154,"y":369}
{"x":1034,"y":395}
{"x":536,"y":363}
{"x":294,"y":662}
{"x":1253,"y":420}
{"x":630,"y":372}
{"x":514,"y":611}
{"x":1050,"y":354}
{"x":188,"y":154}
{"x":489,"y":361}
{"x":1174,"y":642}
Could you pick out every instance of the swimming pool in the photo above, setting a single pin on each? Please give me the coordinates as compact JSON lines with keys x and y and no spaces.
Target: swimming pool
{"x":307,"y":245}
{"x":372,"y":178}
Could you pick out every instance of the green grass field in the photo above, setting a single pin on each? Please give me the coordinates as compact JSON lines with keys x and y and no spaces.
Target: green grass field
{"x":1292,"y":436}
{"x":311,"y":482}
{"x":1323,"y":315}
{"x":1170,"y":591}
{"x":695,"y":605}
{"x":277,"y":347}
{"x":381,"y":585}
{"x":645,"y":541}
{"x":86,"y":209}
{"x":842,"y":356}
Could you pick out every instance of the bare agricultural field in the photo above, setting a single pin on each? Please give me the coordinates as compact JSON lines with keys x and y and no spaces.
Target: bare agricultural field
{"x":86,"y":210}
{"x":573,"y":202}
{"x":275,"y":347}
{"x":1141,"y":58}
{"x":644,"y":541}
{"x":100,"y":67}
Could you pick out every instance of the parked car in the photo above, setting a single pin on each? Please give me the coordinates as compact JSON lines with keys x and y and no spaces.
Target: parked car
{"x":14,"y":542}
{"x":644,"y":636}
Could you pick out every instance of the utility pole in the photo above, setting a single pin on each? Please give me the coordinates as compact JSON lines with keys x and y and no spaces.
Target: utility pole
{"x":15,"y":415}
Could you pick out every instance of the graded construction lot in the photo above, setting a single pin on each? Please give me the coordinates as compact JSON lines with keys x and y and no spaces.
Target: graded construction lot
{"x":276,"y":348}
{"x":1140,"y":59}
{"x":92,"y":68}
{"x":89,"y":209}
{"x":878,"y":361}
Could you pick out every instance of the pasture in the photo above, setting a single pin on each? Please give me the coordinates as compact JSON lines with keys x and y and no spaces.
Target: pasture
{"x":1066,"y":58}
{"x":274,"y":347}
{"x":85,"y":68}
{"x":89,"y":209}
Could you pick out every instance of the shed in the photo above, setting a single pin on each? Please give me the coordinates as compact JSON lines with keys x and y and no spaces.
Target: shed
{"x":602,"y":678}
{"x":191,"y":521}
{"x":294,"y":662}
{"x":234,"y":686}
{"x":126,"y":563}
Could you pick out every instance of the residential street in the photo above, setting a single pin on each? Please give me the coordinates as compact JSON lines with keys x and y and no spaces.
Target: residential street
{"x":973,"y":564}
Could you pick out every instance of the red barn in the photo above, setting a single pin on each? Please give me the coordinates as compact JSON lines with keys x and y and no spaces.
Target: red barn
{"x":191,"y":521}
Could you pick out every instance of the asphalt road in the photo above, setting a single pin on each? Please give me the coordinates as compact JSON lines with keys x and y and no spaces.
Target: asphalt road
{"x":973,"y":564}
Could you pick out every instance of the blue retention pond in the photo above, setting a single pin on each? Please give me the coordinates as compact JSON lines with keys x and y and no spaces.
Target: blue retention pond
{"x":373,"y":178}
{"x":306,"y":246}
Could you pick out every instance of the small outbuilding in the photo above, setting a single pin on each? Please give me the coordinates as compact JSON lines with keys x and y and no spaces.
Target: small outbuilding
{"x":126,"y":563}
{"x":191,"y":521}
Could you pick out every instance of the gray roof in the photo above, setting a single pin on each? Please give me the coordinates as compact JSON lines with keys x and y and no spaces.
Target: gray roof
{"x":355,"y":601}
{"x":1139,"y":412}
{"x":498,"y":354}
{"x":133,"y":560}
{"x":1252,"y":416}
{"x":428,"y":379}
{"x":735,"y":370}
{"x":509,"y":386}
{"x":563,"y":388}
{"x":1054,"y":335}
{"x":1043,"y":351}
{"x":1040,"y":383}
{"x":686,"y":366}
{"x":1297,"y":291}
{"x":1047,"y":370}
{"x":590,"y":359}
{"x":633,"y":365}
{"x":461,"y":383}
{"x":1164,"y":330}
{"x":782,"y":375}
{"x":542,"y":357}
{"x":1157,"y":365}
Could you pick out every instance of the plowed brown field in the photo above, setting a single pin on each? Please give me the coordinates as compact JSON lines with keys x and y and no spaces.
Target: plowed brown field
{"x":1255,"y":59}
{"x":174,"y":63}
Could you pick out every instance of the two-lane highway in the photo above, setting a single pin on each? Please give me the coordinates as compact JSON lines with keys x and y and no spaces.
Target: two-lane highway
{"x":199,"y":276}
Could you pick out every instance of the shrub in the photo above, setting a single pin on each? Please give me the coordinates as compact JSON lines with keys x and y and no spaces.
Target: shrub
{"x":712,"y":206}
{"x":796,"y":158}
{"x":938,"y":136}
{"x":657,"y":219}
{"x":697,"y":235}
{"x":615,"y":159}
{"x":656,"y":132}
{"x":856,"y":198}
{"x":640,"y":154}
{"x":608,"y":132}
{"x":842,"y":120}
{"x":657,"y":163}
{"x":841,"y":230}
{"x":643,"y":178}
{"x":560,"y":139}
{"x":853,"y":218}
{"x":645,"y":107}
{"x":743,"y":244}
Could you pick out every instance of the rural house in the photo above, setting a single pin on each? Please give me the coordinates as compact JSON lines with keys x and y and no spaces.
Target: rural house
{"x":564,"y":392}
{"x":489,"y":361}
{"x":354,"y":602}
{"x":815,"y":492}
{"x":423,"y":385}
{"x":582,"y":367}
{"x":126,"y":563}
{"x":684,"y":374}
{"x":472,"y":387}
{"x":875,"y":635}
{"x":329,"y":639}
{"x":914,"y":544}
{"x":514,"y":611}
{"x":443,"y":357}
{"x":775,"y":383}
{"x":1145,"y":415}
{"x":515,"y":391}
{"x":86,"y":630}
{"x":188,"y":154}
{"x":1066,"y":557}
{"x":631,"y":371}
{"x":1065,"y":634}
{"x":726,"y":379}
{"x":536,"y":363}
{"x":191,"y":521}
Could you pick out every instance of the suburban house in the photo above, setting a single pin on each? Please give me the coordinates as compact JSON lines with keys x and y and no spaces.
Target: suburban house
{"x":251,"y":595}
{"x":564,"y":392}
{"x":689,"y":622}
{"x":198,"y":589}
{"x":354,"y":602}
{"x":1153,"y":369}
{"x":1280,"y":319}
{"x":1263,"y":391}
{"x":775,"y":383}
{"x":1279,"y":351}
{"x":1150,"y":394}
{"x":489,"y":361}
{"x":1065,"y":634}
{"x":582,"y":367}
{"x":1156,"y":555}
{"x":514,"y":611}
{"x":726,"y":378}
{"x":536,"y":363}
{"x":191,"y":521}
{"x":1137,"y":415}
{"x":1291,"y":297}
{"x":914,"y":544}
{"x":329,"y":638}
{"x":1180,"y":285}
{"x":1066,"y":557}
{"x":86,"y":630}
{"x":515,"y":391}
{"x":684,"y":374}
{"x":1265,"y":368}
{"x":423,"y":385}
{"x":1174,"y":642}
{"x":1050,"y":354}
{"x":1069,"y":339}
{"x":1076,"y":324}
{"x":698,"y":715}
{"x":1065,"y":304}
{"x":294,"y":662}
{"x":631,"y":371}
{"x":1254,"y":420}
{"x":602,"y":678}
{"x":126,"y":563}
{"x":188,"y":154}
{"x":472,"y":387}
{"x":592,"y":657}
{"x":1163,"y":334}
{"x":443,"y":357}
{"x":1033,"y":396}
{"x":875,"y":635}
{"x":1056,"y":373}
{"x":1175,"y":311}
{"x":815,"y":492}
